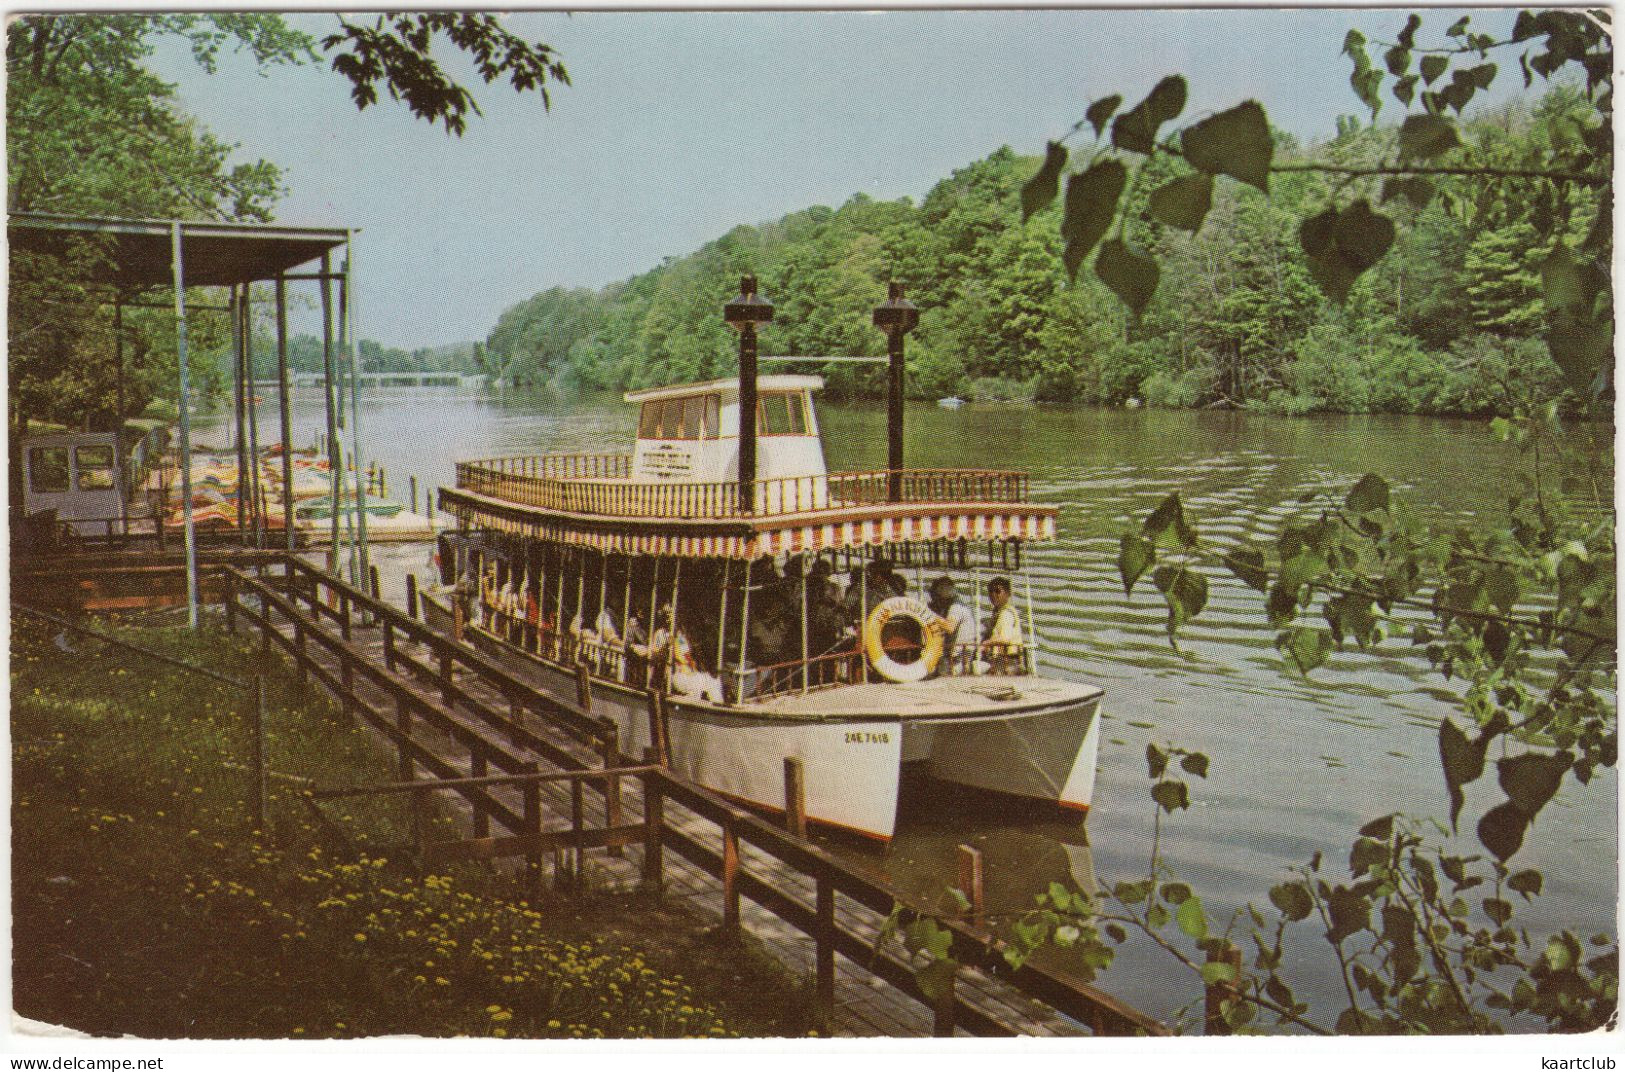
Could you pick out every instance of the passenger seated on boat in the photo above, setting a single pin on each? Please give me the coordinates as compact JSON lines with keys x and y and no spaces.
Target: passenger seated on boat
{"x":958,"y":624}
{"x":673,"y":651}
{"x":508,"y":604}
{"x":533,"y":617}
{"x":1001,"y":642}
{"x":635,"y":645}
{"x":462,"y":604}
{"x":605,"y":627}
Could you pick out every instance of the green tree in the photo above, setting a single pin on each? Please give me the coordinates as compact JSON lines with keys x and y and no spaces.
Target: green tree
{"x":1502,"y":276}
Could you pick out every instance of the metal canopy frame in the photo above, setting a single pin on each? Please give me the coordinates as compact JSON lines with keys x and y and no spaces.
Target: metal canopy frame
{"x":139,"y":254}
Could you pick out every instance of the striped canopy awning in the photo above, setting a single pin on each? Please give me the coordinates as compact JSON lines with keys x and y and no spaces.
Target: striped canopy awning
{"x":874,"y":526}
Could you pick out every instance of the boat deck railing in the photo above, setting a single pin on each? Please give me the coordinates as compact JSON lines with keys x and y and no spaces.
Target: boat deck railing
{"x":601,"y":484}
{"x":849,"y":667}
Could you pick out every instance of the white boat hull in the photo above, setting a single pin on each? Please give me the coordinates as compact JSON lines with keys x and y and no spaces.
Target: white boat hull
{"x":851,"y":763}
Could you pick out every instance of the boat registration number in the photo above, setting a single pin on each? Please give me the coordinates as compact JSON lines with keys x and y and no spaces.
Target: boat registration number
{"x":865,"y":737}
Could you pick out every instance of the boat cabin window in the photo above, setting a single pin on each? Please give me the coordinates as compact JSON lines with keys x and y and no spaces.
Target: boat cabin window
{"x":48,"y":469}
{"x":695,"y":417}
{"x":781,"y":413}
{"x":94,"y":465}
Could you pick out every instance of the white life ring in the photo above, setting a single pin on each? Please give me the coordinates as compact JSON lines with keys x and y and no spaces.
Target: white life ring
{"x":930,"y":639}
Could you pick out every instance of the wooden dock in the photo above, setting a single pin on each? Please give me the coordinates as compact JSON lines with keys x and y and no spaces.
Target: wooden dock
{"x":542,"y":782}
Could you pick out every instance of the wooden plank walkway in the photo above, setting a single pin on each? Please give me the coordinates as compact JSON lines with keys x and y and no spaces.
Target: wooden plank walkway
{"x":865,"y":1005}
{"x":465,"y":721}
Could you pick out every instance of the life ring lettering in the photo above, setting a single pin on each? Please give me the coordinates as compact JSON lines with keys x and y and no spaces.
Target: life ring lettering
{"x":906,"y":609}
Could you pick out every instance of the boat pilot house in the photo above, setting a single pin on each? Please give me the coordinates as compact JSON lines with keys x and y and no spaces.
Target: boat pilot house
{"x":855,"y":621}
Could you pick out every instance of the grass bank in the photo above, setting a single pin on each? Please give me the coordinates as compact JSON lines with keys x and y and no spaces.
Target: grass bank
{"x":145,"y":901}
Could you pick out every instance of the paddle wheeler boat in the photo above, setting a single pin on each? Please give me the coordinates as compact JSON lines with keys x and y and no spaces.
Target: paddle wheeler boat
{"x":661,"y":572}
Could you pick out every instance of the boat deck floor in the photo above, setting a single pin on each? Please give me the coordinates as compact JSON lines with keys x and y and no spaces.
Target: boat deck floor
{"x":865,"y":1005}
{"x":945,"y":697}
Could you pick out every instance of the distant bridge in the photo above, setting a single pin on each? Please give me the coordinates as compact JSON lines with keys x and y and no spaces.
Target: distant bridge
{"x":389,"y":379}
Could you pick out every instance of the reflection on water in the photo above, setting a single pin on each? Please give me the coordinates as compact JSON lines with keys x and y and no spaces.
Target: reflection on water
{"x":1297,"y":765}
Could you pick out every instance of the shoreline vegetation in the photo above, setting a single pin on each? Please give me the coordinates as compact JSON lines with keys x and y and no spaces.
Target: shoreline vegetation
{"x":1450,"y":323}
{"x":145,"y":903}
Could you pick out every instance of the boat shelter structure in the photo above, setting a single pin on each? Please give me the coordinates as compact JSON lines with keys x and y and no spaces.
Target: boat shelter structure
{"x":131,"y":258}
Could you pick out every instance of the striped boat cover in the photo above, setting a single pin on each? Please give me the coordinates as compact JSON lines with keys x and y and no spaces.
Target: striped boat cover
{"x":751,"y":539}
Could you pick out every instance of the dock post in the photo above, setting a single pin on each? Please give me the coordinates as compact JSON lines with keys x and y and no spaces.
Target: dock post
{"x":824,"y":940}
{"x":533,"y":829}
{"x":1216,"y":994}
{"x":730,"y":879}
{"x":516,"y":719}
{"x":583,"y":688}
{"x":578,"y":822}
{"x":377,"y":591}
{"x":795,"y":798}
{"x":611,"y":752}
{"x":478,"y":768}
{"x":445,"y":677}
{"x":231,"y":601}
{"x":654,"y":864}
{"x":389,"y":645}
{"x":412,"y":595}
{"x":970,"y":882}
{"x":413,"y":481}
{"x":260,"y":776}
{"x":658,"y":727}
{"x":943,"y":1008}
{"x":300,"y":660}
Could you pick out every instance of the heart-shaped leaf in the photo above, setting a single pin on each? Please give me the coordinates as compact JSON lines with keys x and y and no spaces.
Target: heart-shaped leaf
{"x":1041,"y":189}
{"x":1183,"y":202}
{"x":1091,"y":204}
{"x":1235,"y":142}
{"x":1130,"y":272}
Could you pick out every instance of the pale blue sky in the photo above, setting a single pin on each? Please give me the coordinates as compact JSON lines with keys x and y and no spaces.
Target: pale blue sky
{"x":681,"y":125}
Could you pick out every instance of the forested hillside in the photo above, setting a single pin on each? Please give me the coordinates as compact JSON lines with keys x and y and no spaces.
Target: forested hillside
{"x":1449,"y":322}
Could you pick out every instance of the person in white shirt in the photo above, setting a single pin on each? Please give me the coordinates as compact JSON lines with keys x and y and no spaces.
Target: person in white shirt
{"x":955,"y":620}
{"x":1002,"y":643}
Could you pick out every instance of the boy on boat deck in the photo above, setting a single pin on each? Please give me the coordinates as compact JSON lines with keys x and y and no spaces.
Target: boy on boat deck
{"x":1001,"y":643}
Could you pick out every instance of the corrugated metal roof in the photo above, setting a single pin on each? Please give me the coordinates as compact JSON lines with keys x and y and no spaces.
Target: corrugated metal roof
{"x":140,"y":253}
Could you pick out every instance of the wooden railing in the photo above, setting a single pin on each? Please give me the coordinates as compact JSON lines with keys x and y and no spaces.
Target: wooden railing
{"x":601,"y":484}
{"x":302,"y":597}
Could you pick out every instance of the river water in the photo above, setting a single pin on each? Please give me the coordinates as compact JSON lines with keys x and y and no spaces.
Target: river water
{"x":1297,"y":766}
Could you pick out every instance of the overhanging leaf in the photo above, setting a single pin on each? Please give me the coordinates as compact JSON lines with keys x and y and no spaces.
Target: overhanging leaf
{"x":1248,"y":564}
{"x":1130,"y":272}
{"x":1501,"y":829}
{"x":1102,"y":110}
{"x":1136,"y":129}
{"x":1236,"y":142}
{"x":1091,"y":204}
{"x":1190,"y":918}
{"x":1350,"y":913}
{"x":1340,"y":245}
{"x":1041,"y":189}
{"x":1183,"y":202}
{"x":1166,"y":523}
{"x":1292,"y":898}
{"x":1415,"y":190}
{"x":1423,"y":137}
{"x":1370,"y":493}
{"x":1362,"y":235}
{"x":1528,"y":883}
{"x":1156,"y":761}
{"x":1134,"y":555}
{"x":1185,"y":592}
{"x":1463,"y":762}
{"x":1171,"y":794}
{"x":1307,"y":648}
{"x":1532,"y":779}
